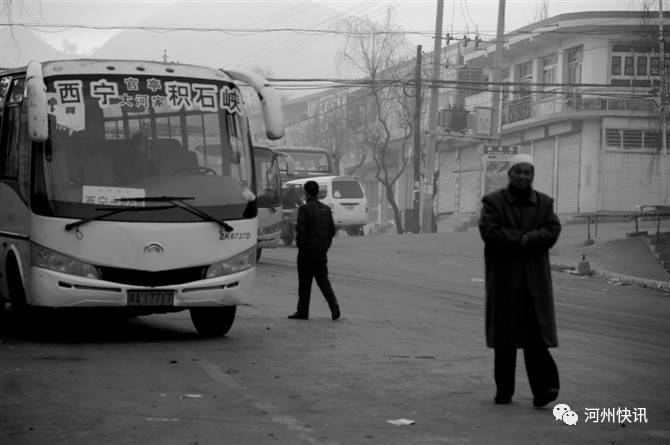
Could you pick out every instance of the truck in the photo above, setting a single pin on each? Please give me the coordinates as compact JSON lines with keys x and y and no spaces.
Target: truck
{"x":297,"y":162}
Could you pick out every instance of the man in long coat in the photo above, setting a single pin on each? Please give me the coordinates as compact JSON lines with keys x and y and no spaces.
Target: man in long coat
{"x":314,"y":234}
{"x":519,"y":226}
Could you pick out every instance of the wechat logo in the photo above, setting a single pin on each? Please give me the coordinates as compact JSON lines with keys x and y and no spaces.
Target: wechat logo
{"x":563,"y":412}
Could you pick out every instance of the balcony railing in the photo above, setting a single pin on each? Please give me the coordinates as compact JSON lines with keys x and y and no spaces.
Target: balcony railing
{"x":532,"y":107}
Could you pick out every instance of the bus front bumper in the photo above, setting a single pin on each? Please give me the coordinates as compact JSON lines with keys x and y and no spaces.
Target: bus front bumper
{"x":55,"y":289}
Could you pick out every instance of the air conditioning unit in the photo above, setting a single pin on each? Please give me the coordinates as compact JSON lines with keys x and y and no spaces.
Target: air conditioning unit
{"x":453,"y":119}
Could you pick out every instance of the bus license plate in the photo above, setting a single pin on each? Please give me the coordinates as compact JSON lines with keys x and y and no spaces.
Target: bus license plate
{"x":150,"y":297}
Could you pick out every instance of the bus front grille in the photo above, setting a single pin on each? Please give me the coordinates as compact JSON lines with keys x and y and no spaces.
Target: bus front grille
{"x":145,"y":278}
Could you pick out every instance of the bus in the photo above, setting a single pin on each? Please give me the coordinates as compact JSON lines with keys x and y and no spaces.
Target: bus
{"x":269,"y":199}
{"x":106,"y":202}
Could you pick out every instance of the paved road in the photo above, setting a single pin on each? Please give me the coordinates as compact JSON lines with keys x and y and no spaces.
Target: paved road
{"x":410,"y":345}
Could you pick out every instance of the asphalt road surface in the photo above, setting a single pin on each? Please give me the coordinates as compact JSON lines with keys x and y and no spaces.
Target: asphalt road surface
{"x":410,"y":345}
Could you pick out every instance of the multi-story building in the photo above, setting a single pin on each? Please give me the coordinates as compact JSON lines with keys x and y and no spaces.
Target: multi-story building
{"x":581,"y":94}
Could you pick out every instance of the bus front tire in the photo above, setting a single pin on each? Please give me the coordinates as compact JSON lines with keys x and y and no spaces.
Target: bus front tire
{"x":213,"y":321}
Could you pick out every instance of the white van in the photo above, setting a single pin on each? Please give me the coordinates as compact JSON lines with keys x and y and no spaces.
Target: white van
{"x":346,"y":199}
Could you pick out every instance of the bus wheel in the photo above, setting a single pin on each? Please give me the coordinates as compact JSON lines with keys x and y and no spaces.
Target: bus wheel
{"x":213,"y":321}
{"x":258,"y":253}
{"x":288,"y":240}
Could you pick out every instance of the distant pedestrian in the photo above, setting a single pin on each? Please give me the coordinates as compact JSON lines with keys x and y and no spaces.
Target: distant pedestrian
{"x":315,"y":231}
{"x":519,"y":226}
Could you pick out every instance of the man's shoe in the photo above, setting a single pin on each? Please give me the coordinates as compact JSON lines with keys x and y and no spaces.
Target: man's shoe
{"x":544,"y":399}
{"x":298,"y":316}
{"x":336,"y":313}
{"x":502,"y":400}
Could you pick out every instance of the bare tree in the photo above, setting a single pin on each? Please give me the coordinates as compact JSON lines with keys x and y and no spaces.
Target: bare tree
{"x":329,"y":128}
{"x":541,"y":12}
{"x":377,"y":51}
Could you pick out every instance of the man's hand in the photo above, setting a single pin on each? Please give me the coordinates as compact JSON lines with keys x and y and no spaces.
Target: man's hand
{"x":524,"y":239}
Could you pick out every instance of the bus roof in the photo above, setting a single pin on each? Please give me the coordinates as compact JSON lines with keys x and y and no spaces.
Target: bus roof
{"x":298,"y":149}
{"x":323,"y":179}
{"x":139,"y":67}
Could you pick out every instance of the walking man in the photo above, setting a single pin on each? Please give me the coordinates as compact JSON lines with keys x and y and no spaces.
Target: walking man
{"x":519,"y":226}
{"x":315,"y":231}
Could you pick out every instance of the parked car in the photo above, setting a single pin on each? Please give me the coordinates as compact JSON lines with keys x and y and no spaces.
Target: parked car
{"x":346,"y":199}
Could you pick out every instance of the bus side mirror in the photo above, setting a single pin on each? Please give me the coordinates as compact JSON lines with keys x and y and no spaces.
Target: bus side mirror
{"x":270,"y":101}
{"x":272,"y":116}
{"x":38,"y":124}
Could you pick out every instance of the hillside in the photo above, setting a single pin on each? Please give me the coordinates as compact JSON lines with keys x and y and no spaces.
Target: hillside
{"x":19,"y":46}
{"x":281,"y":54}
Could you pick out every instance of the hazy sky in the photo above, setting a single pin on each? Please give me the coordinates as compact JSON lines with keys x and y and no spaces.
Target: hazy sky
{"x":460,"y":16}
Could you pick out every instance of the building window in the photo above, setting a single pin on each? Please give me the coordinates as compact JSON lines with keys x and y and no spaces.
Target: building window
{"x":549,"y":65}
{"x":632,"y":139}
{"x":634,"y":64}
{"x":574,"y":57}
{"x":616,"y":65}
{"x":629,"y":68}
{"x":524,"y":75}
{"x":641,"y":65}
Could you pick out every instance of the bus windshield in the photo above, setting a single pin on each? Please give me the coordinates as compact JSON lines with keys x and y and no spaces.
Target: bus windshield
{"x":309,"y":161}
{"x":133,"y":136}
{"x":268,"y":186}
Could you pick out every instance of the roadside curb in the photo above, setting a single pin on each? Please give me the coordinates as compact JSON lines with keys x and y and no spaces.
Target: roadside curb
{"x":663,"y":286}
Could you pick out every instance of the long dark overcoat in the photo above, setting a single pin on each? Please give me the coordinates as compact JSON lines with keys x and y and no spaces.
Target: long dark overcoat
{"x":315,"y":230}
{"x":513,"y":271}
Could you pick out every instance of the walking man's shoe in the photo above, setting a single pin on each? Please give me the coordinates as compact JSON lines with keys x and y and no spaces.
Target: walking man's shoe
{"x":502,"y":400}
{"x":336,"y":312}
{"x":544,"y":399}
{"x":297,"y":316}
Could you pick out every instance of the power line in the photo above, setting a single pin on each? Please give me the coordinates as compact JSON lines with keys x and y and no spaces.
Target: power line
{"x":232,"y":31}
{"x":260,"y":56}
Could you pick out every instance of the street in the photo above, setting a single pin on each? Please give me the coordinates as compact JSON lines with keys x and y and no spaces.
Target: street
{"x":410,"y":345}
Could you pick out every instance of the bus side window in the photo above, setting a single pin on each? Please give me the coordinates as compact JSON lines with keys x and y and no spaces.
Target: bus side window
{"x":4,"y":88}
{"x":9,"y":158}
{"x":11,"y":131}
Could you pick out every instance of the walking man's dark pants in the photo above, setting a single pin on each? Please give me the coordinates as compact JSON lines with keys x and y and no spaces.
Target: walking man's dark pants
{"x":309,"y":269}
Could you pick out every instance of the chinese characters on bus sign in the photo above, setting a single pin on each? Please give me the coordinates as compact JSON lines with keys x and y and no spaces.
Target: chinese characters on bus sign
{"x":137,"y":95}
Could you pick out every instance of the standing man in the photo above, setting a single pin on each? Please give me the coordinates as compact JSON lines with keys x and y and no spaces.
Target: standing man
{"x":519,"y":226}
{"x":315,"y":231}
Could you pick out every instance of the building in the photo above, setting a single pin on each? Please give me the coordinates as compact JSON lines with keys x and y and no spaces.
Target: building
{"x":581,"y":94}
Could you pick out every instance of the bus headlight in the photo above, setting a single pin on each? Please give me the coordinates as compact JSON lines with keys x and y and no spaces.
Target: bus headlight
{"x":241,"y":261}
{"x":40,"y":256}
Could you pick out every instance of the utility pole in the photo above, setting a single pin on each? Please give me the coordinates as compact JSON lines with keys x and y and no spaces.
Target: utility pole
{"x":426,"y":203}
{"x":416,"y":152}
{"x":497,"y":68}
{"x":663,"y":105}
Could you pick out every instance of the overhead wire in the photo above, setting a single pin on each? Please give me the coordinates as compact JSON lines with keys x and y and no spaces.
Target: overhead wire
{"x":267,"y":20}
{"x":359,"y":7}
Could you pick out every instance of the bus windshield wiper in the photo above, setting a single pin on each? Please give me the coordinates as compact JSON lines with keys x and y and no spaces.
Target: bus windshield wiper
{"x":74,"y":225}
{"x":181,"y":202}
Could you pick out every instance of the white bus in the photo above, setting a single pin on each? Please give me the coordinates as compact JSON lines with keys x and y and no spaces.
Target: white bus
{"x":268,"y":187}
{"x":105,"y":201}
